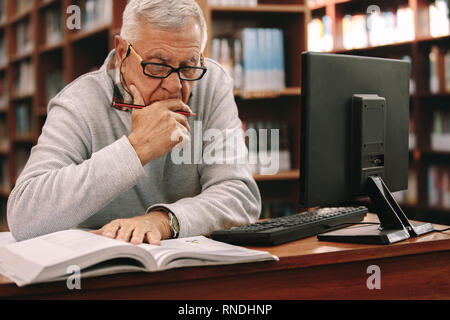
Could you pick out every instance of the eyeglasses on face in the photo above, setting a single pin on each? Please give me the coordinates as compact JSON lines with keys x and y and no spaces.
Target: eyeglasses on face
{"x":162,"y":71}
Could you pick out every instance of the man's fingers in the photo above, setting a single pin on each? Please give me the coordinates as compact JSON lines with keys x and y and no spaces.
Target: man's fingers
{"x":110,"y":230}
{"x":138,"y":235}
{"x":125,"y":232}
{"x":175,"y":105}
{"x":181,"y":119}
{"x":152,"y":238}
{"x":137,"y":97}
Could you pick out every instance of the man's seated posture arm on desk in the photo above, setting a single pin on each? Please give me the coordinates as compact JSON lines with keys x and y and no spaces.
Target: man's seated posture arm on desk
{"x":102,"y":165}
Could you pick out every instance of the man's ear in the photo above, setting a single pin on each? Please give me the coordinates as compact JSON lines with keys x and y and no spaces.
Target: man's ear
{"x":122,"y":49}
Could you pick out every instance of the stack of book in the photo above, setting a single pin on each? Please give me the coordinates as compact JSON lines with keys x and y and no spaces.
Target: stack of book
{"x":375,"y":29}
{"x":320,"y":38}
{"x":276,"y":209}
{"x":233,"y":2}
{"x":96,"y":13}
{"x":255,"y":59}
{"x":438,"y":17}
{"x":24,"y":84}
{"x":23,"y":119}
{"x":439,"y":187}
{"x":24,"y":38}
{"x":53,"y":23}
{"x":269,"y":147}
{"x":440,"y":134}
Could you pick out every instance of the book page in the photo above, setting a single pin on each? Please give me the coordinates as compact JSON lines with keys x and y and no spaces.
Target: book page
{"x":49,"y":255}
{"x":6,"y":238}
{"x":200,"y":250}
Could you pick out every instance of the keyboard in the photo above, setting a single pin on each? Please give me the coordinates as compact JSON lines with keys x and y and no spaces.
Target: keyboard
{"x":288,"y":228}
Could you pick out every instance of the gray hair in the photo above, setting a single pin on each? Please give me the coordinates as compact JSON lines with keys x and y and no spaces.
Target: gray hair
{"x":164,"y":14}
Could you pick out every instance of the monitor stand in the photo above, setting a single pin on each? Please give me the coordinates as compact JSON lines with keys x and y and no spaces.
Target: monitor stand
{"x":394,"y":225}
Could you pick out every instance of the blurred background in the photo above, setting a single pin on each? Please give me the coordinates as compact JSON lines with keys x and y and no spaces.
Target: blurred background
{"x":46,"y":44}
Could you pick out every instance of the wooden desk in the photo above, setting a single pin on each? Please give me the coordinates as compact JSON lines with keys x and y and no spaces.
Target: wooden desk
{"x":417,"y":268}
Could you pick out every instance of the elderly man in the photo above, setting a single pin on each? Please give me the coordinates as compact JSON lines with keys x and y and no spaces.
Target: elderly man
{"x":101,"y":163}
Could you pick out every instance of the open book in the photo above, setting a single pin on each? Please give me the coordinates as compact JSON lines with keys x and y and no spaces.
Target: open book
{"x":52,"y":257}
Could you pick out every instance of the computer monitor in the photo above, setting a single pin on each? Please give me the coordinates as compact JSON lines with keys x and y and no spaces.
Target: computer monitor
{"x":354,"y":140}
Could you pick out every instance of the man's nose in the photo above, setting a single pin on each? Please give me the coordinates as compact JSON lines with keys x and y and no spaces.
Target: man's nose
{"x":172,"y":83}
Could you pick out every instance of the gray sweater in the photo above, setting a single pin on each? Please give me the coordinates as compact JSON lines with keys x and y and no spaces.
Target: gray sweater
{"x":83,"y":172}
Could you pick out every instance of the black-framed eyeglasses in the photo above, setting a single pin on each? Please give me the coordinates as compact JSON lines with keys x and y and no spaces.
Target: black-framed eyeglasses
{"x":162,"y":71}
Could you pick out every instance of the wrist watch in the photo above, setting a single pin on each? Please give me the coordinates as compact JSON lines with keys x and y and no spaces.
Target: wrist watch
{"x":174,"y":225}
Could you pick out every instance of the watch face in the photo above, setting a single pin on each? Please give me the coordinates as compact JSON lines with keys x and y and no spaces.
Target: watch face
{"x":175,"y":223}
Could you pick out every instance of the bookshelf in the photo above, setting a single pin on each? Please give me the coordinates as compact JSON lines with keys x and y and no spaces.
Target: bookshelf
{"x":428,"y":196}
{"x":49,"y":55}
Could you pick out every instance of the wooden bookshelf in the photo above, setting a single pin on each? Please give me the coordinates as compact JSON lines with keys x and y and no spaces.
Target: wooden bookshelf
{"x":423,"y":102}
{"x":80,"y":51}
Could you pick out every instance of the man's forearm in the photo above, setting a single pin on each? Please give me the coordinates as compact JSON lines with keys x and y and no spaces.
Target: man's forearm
{"x":49,"y":200}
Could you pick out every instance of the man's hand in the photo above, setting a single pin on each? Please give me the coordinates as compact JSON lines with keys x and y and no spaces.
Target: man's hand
{"x":151,"y":228}
{"x":153,"y":127}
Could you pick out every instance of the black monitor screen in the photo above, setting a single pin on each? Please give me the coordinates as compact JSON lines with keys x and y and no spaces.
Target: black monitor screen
{"x":330,"y":83}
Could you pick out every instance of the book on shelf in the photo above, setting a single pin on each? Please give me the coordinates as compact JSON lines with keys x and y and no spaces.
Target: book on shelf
{"x":55,"y":83}
{"x":51,"y":257}
{"x":354,"y":31}
{"x":315,"y":3}
{"x":440,"y":133}
{"x":263,"y":59}
{"x":3,"y":93}
{"x":250,"y":3}
{"x":378,"y":28}
{"x":3,"y":16}
{"x":4,"y":174}
{"x":22,"y":6}
{"x":254,"y":59}
{"x":271,"y":210}
{"x":24,"y":119}
{"x":3,"y":50}
{"x":412,"y":138}
{"x":24,"y":82}
{"x":412,"y":82}
{"x":53,"y":26}
{"x":434,"y":69}
{"x":96,"y":13}
{"x":268,"y":146}
{"x":4,"y":141}
{"x":438,"y":17}
{"x":320,"y":38}
{"x":409,"y":196}
{"x":439,"y":186}
{"x":24,"y":38}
